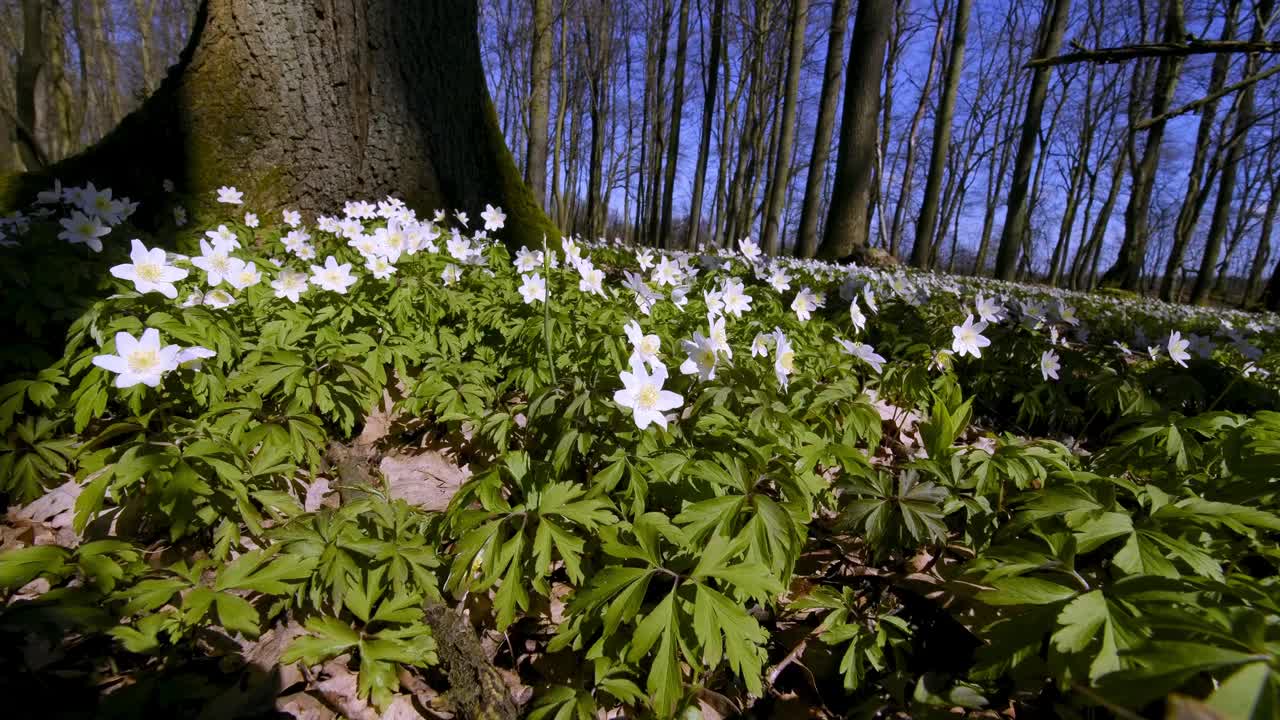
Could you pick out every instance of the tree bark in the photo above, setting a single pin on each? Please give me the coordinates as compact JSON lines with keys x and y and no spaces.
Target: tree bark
{"x":677,"y":112}
{"x":922,"y":251}
{"x":787,"y":133}
{"x":708,"y":119}
{"x":807,"y":235}
{"x":659,"y":136}
{"x":1127,"y":270}
{"x":1017,"y":216}
{"x":394,"y":101}
{"x":535,"y":165}
{"x":30,"y":63}
{"x":1227,"y":183}
{"x":848,"y":218}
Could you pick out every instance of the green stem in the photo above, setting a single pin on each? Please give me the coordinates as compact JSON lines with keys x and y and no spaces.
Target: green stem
{"x":1225,"y":390}
{"x":546,"y":310}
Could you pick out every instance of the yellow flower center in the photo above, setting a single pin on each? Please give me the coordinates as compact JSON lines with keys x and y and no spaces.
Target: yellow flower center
{"x":647,"y":398}
{"x":787,"y":360}
{"x":149,"y":272}
{"x":142,"y":361}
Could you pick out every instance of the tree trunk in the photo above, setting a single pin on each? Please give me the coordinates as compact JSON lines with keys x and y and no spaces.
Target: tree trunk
{"x":659,"y":136}
{"x":922,"y":251}
{"x":393,"y":102}
{"x":847,"y":220}
{"x":807,"y":236}
{"x":535,"y":164}
{"x":913,"y":140}
{"x":1227,"y":183}
{"x":145,"y":12}
{"x":677,"y":108}
{"x":1127,"y":270}
{"x":30,"y":63}
{"x":104,"y":23}
{"x":787,"y":134}
{"x":1092,"y":251}
{"x":1263,"y":251}
{"x":1193,"y":199}
{"x":708,"y":119}
{"x":1017,"y":216}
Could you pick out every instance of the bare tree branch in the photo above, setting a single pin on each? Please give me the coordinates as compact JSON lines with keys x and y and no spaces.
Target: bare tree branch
{"x":1197,"y":104}
{"x":1155,"y":50}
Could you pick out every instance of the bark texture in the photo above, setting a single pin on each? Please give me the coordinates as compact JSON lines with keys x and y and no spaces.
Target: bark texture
{"x":535,"y":169}
{"x":850,"y":213}
{"x":305,"y":105}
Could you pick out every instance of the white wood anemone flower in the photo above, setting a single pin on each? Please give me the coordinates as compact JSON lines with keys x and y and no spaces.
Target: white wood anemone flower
{"x":642,"y":393}
{"x":139,"y":360}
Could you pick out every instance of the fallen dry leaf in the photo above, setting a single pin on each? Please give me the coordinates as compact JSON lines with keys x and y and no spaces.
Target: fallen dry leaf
{"x":426,"y":479}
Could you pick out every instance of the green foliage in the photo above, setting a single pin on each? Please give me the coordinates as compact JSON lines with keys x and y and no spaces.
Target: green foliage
{"x":1114,"y":530}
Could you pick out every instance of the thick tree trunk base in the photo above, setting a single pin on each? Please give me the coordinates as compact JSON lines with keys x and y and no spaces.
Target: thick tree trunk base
{"x":307,"y":105}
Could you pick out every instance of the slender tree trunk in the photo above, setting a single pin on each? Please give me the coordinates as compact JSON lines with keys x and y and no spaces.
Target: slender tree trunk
{"x":807,"y":240}
{"x":913,"y":141}
{"x":1227,"y":183}
{"x":1017,"y":216}
{"x":562,"y":105}
{"x":677,"y":112}
{"x":847,"y":220}
{"x":941,"y":138}
{"x":1127,"y":270}
{"x":660,"y":137}
{"x":708,"y":119}
{"x":1194,"y":197}
{"x":1263,"y":251}
{"x":730,"y":114}
{"x":892,"y":55}
{"x":787,"y":134}
{"x":535,"y":165}
{"x":1093,"y":249}
{"x":598,"y":41}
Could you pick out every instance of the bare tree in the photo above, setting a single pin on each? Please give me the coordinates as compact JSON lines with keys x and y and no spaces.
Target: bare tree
{"x":1226,"y":185}
{"x":711,"y":77}
{"x":677,"y":112}
{"x":1018,"y":213}
{"x":807,"y":235}
{"x":535,"y":166}
{"x":1126,"y":272}
{"x":848,"y":219}
{"x":787,"y":133}
{"x":923,"y":250}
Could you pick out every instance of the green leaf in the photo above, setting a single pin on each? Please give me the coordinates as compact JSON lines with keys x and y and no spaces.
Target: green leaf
{"x":235,"y":613}
{"x":21,"y":566}
{"x":1025,"y":591}
{"x":1249,"y":693}
{"x":1142,"y":556}
{"x":329,"y":637}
